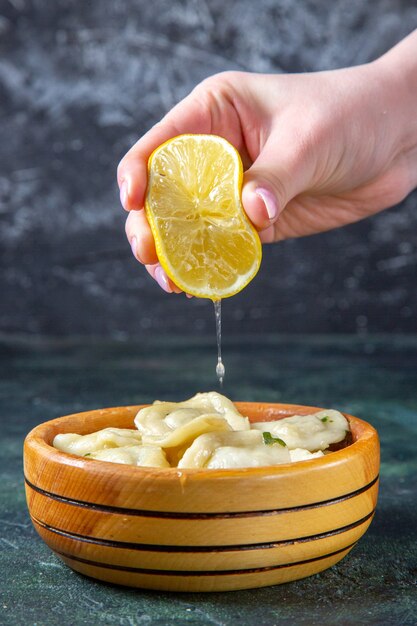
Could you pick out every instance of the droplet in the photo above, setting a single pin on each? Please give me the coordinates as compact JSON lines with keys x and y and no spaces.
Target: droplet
{"x":220,"y":369}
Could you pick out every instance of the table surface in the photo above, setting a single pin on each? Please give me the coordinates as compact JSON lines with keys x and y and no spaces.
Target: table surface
{"x":372,"y":377}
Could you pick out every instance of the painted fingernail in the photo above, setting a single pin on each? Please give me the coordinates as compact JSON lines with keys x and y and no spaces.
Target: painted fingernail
{"x":124,"y":196}
{"x":269,"y":201}
{"x":162,"y":279}
{"x":134,"y":245}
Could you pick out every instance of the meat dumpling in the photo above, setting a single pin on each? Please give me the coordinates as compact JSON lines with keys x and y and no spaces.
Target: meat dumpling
{"x":144,"y":456}
{"x":311,"y":432}
{"x":173,"y":424}
{"x":233,"y":449}
{"x":81,"y":445}
{"x":299,"y":454}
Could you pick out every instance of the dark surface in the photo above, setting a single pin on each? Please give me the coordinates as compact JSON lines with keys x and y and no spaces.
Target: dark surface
{"x":375,"y":379}
{"x":81,"y":81}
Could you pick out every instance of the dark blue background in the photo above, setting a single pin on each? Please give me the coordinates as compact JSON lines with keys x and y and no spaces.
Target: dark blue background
{"x":80,"y":81}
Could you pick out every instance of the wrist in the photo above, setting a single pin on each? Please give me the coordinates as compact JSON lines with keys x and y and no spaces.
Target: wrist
{"x":397,"y":70}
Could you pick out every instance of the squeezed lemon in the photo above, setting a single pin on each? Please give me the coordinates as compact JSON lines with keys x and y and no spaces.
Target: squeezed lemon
{"x":204,"y":240}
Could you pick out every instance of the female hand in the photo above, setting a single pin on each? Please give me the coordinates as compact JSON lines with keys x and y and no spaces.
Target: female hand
{"x":319,"y":150}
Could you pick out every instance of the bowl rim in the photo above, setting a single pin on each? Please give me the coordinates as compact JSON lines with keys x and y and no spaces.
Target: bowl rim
{"x":35,"y":440}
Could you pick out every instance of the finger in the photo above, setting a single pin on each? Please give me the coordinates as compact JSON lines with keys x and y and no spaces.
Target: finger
{"x":272,"y":181}
{"x":158,"y":273}
{"x":140,"y":237}
{"x":267,"y":235}
{"x":186,"y":117}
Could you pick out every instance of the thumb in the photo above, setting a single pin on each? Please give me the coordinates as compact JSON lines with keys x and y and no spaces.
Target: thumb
{"x":270,"y":183}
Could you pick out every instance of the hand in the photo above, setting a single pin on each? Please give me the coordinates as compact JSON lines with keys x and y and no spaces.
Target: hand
{"x":319,"y":150}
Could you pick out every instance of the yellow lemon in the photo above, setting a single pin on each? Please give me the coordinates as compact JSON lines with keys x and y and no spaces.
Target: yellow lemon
{"x":204,"y":241}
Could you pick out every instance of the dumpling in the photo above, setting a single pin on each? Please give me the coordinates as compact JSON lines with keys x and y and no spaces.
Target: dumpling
{"x":144,"y":456}
{"x":233,"y":449}
{"x":162,"y":417}
{"x":207,"y":431}
{"x":173,"y":424}
{"x":299,"y":454}
{"x":102,"y":439}
{"x":311,"y":432}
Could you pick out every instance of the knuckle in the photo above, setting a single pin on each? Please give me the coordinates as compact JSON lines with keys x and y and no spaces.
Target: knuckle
{"x":212,"y":96}
{"x":130,"y":224}
{"x":279,"y":189}
{"x":127,"y":228}
{"x":216,"y":85}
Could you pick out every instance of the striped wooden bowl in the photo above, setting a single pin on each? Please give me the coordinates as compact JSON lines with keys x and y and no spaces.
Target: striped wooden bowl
{"x":199,"y":530}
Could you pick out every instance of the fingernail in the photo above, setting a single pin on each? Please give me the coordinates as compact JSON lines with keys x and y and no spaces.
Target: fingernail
{"x":134,"y":245}
{"x":124,"y":196}
{"x":188,"y":295}
{"x":162,"y":279}
{"x":269,"y":201}
{"x":135,"y":251}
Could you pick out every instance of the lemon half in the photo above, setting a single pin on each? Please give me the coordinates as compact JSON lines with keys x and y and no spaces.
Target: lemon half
{"x":204,"y":241}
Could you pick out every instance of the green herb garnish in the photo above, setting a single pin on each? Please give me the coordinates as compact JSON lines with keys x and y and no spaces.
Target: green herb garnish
{"x":269,"y":440}
{"x":324,"y":419}
{"x":88,"y":454}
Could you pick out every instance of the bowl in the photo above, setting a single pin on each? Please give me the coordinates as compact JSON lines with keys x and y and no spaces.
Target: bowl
{"x":199,"y":530}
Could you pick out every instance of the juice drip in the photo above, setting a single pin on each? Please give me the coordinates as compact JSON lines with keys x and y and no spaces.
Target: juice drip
{"x":220,"y":370}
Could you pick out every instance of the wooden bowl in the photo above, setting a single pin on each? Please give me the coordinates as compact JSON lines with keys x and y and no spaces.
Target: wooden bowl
{"x":199,"y":530}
